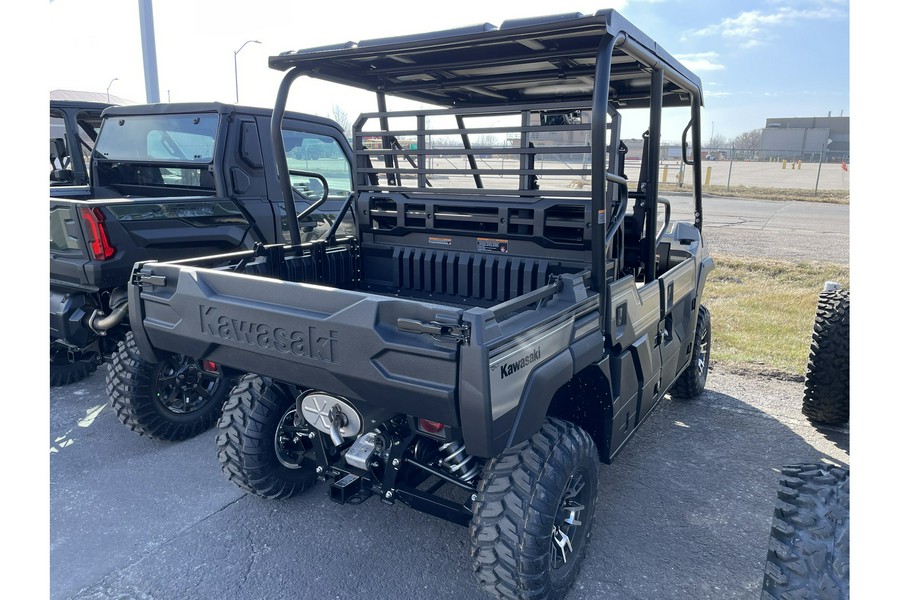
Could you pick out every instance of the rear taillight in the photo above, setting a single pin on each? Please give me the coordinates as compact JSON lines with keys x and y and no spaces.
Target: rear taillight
{"x":98,"y":241}
{"x":431,"y":426}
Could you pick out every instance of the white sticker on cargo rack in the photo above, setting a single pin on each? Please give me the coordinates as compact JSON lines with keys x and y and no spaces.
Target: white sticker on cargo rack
{"x":440,"y":241}
{"x":492,"y":245}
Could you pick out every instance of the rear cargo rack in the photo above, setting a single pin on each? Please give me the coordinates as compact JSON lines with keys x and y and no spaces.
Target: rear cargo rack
{"x":515,"y":151}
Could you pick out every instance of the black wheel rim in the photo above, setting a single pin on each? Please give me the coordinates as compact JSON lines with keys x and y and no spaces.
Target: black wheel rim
{"x":565,"y":538}
{"x":183,"y":386}
{"x":703,"y":353}
{"x":291,"y":441}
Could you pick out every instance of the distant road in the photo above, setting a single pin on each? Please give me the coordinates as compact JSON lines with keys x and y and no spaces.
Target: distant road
{"x":795,"y":231}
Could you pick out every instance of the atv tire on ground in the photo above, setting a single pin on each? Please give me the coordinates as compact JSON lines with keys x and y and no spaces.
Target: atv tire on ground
{"x":826,"y":395}
{"x":65,"y":370}
{"x":692,"y":382}
{"x":259,"y":447}
{"x":533,"y":512}
{"x":173,"y":400}
{"x":809,"y":546}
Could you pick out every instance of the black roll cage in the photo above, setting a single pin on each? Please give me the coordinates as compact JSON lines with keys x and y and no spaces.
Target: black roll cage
{"x":454,"y":69}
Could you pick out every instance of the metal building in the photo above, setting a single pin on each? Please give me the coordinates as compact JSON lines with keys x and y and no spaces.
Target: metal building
{"x":806,"y":138}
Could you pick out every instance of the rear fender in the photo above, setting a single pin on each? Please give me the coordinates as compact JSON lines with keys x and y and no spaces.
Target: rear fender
{"x":512,"y":368}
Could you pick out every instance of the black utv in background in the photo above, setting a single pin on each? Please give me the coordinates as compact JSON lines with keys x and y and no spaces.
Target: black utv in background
{"x":74,"y":126}
{"x":509,"y":309}
{"x":170,"y":181}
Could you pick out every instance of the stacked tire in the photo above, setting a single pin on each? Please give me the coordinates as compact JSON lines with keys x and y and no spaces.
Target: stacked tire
{"x":826,"y":396}
{"x":809,"y":545}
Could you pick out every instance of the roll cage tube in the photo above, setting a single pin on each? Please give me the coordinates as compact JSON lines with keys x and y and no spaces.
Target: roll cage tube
{"x":698,"y":196}
{"x":694,"y":162}
{"x":599,"y":105}
{"x":281,"y":165}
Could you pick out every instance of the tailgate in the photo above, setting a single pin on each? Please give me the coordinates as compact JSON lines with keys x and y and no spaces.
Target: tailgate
{"x":139,"y":229}
{"x":339,"y":341}
{"x":67,"y":252}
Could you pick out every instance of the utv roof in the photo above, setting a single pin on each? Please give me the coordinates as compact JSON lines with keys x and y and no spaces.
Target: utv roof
{"x":533,"y":60}
{"x":174,"y":108}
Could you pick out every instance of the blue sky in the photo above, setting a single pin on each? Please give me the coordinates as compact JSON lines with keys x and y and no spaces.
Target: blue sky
{"x":757,"y":59}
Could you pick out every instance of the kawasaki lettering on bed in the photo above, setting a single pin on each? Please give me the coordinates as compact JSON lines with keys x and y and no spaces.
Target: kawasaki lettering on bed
{"x":308,"y":342}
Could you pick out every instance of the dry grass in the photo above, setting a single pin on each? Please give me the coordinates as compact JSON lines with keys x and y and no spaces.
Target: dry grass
{"x":763,"y":310}
{"x":765,"y":193}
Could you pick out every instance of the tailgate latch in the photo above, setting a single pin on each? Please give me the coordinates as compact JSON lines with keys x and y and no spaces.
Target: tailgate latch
{"x":142,"y":278}
{"x":439,"y":331}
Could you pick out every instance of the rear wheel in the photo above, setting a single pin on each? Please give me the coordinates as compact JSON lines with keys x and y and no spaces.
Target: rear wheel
{"x":809,"y":545}
{"x":826,"y":394}
{"x":260,"y":448}
{"x":174,"y":399}
{"x":533,"y":513}
{"x":67,"y":368}
{"x":692,"y":381}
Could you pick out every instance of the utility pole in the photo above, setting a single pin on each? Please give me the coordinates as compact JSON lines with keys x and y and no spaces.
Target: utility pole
{"x":109,"y":86}
{"x":148,"y":45}
{"x":236,"y":95}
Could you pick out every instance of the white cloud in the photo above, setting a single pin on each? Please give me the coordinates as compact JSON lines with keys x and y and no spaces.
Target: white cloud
{"x":752,"y":28}
{"x":701,"y":61}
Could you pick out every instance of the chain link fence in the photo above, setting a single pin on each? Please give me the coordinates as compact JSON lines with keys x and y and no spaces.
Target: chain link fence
{"x":731,"y":169}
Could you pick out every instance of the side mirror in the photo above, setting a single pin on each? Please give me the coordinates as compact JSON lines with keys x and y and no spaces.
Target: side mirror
{"x":550,"y":118}
{"x":62,"y":175}
{"x":58,"y":149}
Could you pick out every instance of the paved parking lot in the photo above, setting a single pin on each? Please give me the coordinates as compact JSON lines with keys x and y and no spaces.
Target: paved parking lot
{"x":684,"y":512}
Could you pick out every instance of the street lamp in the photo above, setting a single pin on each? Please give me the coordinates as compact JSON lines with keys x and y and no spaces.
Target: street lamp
{"x":236,"y":96}
{"x":109,"y":86}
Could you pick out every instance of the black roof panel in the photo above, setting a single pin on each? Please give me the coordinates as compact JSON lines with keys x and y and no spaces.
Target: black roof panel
{"x":175,"y":108}
{"x":530,"y":60}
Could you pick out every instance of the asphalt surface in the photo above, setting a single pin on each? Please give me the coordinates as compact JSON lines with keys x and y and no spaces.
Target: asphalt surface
{"x":784,"y":230}
{"x":684,"y":510}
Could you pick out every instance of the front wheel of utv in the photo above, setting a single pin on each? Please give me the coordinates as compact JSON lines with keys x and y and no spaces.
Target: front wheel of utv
{"x":175,"y":399}
{"x":260,"y":447}
{"x":533,"y":513}
{"x":692,"y":381}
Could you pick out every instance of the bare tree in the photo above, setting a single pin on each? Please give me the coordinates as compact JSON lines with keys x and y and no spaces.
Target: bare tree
{"x":747,"y":144}
{"x":489,"y":140}
{"x":716,"y":142}
{"x":749,"y":140}
{"x":340,"y":116}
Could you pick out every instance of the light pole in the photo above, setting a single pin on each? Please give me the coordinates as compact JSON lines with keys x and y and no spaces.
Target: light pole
{"x":236,"y":95}
{"x":109,"y":86}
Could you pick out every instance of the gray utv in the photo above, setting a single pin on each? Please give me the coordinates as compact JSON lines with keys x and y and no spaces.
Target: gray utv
{"x":513,"y":303}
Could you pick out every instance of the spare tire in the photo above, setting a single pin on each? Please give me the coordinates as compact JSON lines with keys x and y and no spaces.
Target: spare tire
{"x":826,"y":395}
{"x":809,"y":545}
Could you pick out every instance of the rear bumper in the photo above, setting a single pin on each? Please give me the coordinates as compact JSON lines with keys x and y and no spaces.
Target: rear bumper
{"x":68,"y":314}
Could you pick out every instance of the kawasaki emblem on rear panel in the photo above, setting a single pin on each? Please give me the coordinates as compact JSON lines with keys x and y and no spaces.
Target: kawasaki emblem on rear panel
{"x":510,"y":369}
{"x":305,"y":341}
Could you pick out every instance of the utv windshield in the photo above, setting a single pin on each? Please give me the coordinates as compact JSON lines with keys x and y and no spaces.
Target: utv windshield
{"x":161,"y":151}
{"x":175,"y":138}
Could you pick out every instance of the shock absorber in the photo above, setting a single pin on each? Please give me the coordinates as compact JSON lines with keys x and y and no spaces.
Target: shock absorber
{"x":457,"y":462}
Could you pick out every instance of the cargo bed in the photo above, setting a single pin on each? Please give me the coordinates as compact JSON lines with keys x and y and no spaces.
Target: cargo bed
{"x":304,"y":316}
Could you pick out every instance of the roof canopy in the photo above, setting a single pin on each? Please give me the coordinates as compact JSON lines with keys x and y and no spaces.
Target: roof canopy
{"x":536,"y":60}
